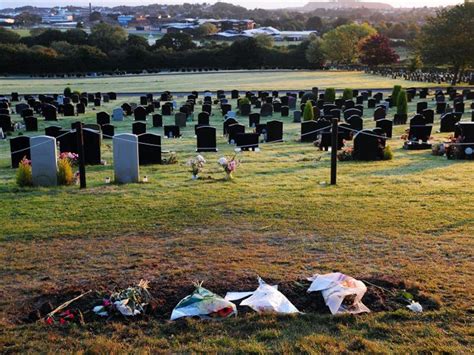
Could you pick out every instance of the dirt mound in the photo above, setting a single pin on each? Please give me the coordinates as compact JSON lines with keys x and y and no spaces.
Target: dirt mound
{"x":384,"y":293}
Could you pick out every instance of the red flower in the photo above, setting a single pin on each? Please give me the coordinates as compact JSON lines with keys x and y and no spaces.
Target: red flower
{"x":62,"y":321}
{"x":49,"y":321}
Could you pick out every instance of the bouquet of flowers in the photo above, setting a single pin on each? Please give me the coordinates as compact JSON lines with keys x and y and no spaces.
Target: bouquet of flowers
{"x":229,"y":165}
{"x":345,"y":154}
{"x":196,"y":164}
{"x":129,"y":302}
{"x":72,"y":157}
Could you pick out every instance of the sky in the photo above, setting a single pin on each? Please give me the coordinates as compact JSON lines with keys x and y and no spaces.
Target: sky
{"x":246,"y":3}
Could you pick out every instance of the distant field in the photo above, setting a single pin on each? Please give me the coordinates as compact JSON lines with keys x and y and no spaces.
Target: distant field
{"x":243,"y":80}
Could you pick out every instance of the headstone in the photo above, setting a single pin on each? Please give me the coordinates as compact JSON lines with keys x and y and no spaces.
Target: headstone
{"x":138,"y":128}
{"x":254,"y":119}
{"x":274,"y":131}
{"x":233,"y":130}
{"x":296,"y":116}
{"x":140,"y":113}
{"x":68,"y":110}
{"x":227,"y":123}
{"x":356,"y":123}
{"x":19,"y":149}
{"x":441,"y":108}
{"x":102,"y":118}
{"x":352,"y":112}
{"x":80,"y":108}
{"x":285,"y":111}
{"x":206,"y":139}
{"x":245,"y":109}
{"x":367,"y":146}
{"x":247,"y":141}
{"x":429,"y":115}
{"x":172,"y":131}
{"x":126,"y":163}
{"x":371,"y":103}
{"x":50,"y":112}
{"x":203,"y":118}
{"x":149,"y":148}
{"x":117,"y":114}
{"x":379,"y":113}
{"x":44,"y":166}
{"x":448,"y":122}
{"x":180,"y":119}
{"x":31,"y":124}
{"x":157,"y":120}
{"x":6,"y":123}
{"x":386,"y":126}
{"x":420,"y":106}
{"x":108,"y":131}
{"x":92,"y":146}
{"x":127,"y":109}
{"x":52,"y":131}
{"x":266,"y":110}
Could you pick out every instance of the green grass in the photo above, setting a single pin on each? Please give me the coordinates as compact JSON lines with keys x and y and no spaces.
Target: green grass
{"x":409,"y":218}
{"x":185,"y":82}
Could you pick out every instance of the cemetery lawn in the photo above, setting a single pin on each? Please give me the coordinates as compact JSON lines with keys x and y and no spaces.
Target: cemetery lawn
{"x":186,"y":82}
{"x":408,"y":219}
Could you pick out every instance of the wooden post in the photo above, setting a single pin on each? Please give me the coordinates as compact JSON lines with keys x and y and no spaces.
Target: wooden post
{"x":334,"y":151}
{"x":80,"y":150}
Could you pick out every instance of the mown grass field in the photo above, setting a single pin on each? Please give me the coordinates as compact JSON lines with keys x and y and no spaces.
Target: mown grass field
{"x":186,"y":82}
{"x":409,"y":219}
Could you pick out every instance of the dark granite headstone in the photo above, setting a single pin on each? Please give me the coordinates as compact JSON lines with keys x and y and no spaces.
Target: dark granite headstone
{"x":206,"y":139}
{"x":149,"y":149}
{"x":19,"y":149}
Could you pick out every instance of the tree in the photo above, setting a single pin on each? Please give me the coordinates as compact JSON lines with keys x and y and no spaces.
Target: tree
{"x":176,"y":41}
{"x":314,"y":23}
{"x":8,"y":36}
{"x":347,"y":94}
{"x":314,"y":54}
{"x":137,"y":41}
{"x":308,"y":113}
{"x":95,"y":16}
{"x":341,"y":44}
{"x":415,"y":63}
{"x":206,"y":29}
{"x":447,"y":39}
{"x":402,"y":103}
{"x":107,"y":37}
{"x":330,"y":95}
{"x":264,"y":41}
{"x":27,"y":19}
{"x":395,"y":92}
{"x":375,"y":50}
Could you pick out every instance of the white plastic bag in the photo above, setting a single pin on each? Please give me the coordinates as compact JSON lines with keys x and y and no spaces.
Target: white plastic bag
{"x":265,"y":299}
{"x":341,"y":293}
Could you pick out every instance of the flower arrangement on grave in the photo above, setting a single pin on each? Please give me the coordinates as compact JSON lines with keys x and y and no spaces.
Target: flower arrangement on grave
{"x":345,"y":154}
{"x":438,"y":149}
{"x":229,"y":166}
{"x":65,"y":173}
{"x":197,"y":165}
{"x":66,"y":317}
{"x":24,"y":175}
{"x":387,"y":153}
{"x":131,"y":301}
{"x":72,"y":157}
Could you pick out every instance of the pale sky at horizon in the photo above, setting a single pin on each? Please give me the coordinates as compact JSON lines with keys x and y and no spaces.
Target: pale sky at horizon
{"x":246,"y":3}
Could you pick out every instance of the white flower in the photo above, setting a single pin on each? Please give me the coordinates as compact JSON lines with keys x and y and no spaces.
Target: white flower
{"x":200,"y":159}
{"x":415,"y":307}
{"x":124,"y":309}
{"x":98,"y":309}
{"x":222,"y":161}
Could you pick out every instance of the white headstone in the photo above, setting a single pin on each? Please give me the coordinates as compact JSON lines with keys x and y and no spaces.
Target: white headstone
{"x":60,"y":99}
{"x":126,"y":167}
{"x":117,"y":114}
{"x":44,"y":161}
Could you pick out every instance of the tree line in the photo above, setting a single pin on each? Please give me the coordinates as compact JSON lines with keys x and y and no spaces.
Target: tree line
{"x":445,"y":40}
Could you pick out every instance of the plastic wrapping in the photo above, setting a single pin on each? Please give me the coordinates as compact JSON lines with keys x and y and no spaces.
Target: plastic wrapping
{"x":341,"y":293}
